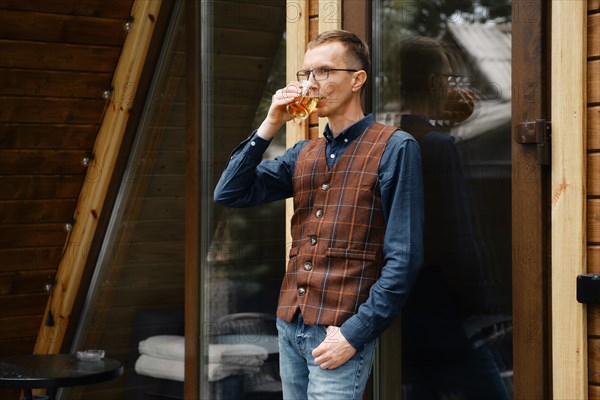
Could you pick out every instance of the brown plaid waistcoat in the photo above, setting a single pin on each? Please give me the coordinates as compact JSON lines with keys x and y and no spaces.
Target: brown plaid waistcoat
{"x":337,"y":230}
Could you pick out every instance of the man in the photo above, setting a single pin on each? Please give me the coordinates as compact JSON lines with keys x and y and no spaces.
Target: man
{"x":356,"y":228}
{"x":451,"y":294}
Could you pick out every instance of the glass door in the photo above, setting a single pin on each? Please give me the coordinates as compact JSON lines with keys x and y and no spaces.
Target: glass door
{"x":242,"y":258}
{"x":442,"y":71}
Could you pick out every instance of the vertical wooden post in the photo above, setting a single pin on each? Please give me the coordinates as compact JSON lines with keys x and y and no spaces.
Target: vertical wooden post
{"x":296,"y":41}
{"x":569,"y":322}
{"x":330,"y":18}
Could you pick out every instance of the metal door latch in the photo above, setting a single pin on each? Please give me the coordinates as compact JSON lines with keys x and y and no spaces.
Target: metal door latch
{"x":536,"y":132}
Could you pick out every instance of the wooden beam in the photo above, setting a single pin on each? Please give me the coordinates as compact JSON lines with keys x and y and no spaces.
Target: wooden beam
{"x":330,"y":18}
{"x":569,"y":322}
{"x":296,"y":42}
{"x":91,"y":200}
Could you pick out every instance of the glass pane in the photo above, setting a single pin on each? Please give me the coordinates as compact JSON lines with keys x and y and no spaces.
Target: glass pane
{"x":137,"y":290}
{"x":443,"y":72}
{"x":244,"y":260}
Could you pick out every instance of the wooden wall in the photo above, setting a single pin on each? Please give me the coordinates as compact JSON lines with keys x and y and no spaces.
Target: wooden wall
{"x":57,"y":59}
{"x":593,"y":189}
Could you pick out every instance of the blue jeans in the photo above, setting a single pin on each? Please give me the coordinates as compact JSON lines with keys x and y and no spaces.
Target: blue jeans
{"x":302,"y":378}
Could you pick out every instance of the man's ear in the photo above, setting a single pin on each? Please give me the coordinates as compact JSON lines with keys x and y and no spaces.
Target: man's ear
{"x":358,"y":80}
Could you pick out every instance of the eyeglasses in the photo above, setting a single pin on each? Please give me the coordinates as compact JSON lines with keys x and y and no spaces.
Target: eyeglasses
{"x":455,"y":80}
{"x":319,"y":74}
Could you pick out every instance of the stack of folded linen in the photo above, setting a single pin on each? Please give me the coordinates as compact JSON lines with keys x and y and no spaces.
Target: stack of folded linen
{"x":163,"y":357}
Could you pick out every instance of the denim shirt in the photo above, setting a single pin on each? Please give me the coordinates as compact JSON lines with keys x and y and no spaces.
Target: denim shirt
{"x":248,"y":181}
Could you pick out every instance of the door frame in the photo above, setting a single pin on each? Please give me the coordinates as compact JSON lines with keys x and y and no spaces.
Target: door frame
{"x":530,"y":209}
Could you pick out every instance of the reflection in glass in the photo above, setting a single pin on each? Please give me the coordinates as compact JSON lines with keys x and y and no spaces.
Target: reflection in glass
{"x":444,"y":76}
{"x":244,"y":260}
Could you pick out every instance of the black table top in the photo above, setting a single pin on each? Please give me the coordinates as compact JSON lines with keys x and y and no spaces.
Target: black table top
{"x":55,"y":370}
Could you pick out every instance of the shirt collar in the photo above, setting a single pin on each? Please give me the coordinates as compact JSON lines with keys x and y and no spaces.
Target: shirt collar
{"x":352,"y":131}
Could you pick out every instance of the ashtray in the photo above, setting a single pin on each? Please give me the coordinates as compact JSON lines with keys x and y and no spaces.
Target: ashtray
{"x":90,"y":355}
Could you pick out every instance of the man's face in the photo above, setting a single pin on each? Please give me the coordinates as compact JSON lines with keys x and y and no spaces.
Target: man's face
{"x":335,"y":91}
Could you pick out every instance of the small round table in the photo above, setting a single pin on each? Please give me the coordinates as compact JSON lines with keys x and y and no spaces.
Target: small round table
{"x":52,"y":371}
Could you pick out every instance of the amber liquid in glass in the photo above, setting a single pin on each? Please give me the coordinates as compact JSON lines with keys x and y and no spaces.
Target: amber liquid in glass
{"x":302,"y":107}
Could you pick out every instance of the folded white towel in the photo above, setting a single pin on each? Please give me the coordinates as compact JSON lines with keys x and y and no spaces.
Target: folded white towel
{"x":169,"y":347}
{"x":174,"y":370}
{"x":237,"y":354}
{"x":218,"y":371}
{"x":159,"y":368}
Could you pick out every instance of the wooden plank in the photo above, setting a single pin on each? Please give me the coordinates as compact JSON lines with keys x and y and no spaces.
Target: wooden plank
{"x":593,"y":82}
{"x":593,"y":259}
{"x":42,"y":235}
{"x":236,"y":91}
{"x":593,"y":221}
{"x":149,"y":275}
{"x":173,"y":138}
{"x":166,"y":186}
{"x":593,"y":174}
{"x":51,"y":162}
{"x":51,"y":110}
{"x":247,"y":15}
{"x":25,"y":282}
{"x":313,"y":9}
{"x":594,"y":360}
{"x":16,"y":347}
{"x":593,"y":5}
{"x":74,"y":29}
{"x":43,"y":83}
{"x":27,"y":259}
{"x":227,"y":66}
{"x":39,"y":187}
{"x":593,"y":319}
{"x":44,"y":136}
{"x":593,"y":128}
{"x":569,"y":326}
{"x":19,"y":327}
{"x":245,"y":42}
{"x":57,"y":56}
{"x":91,"y":200}
{"x":151,"y":252}
{"x":330,"y":15}
{"x":20,"y":305}
{"x":34,"y":211}
{"x":593,"y":36}
{"x":240,"y":117}
{"x":153,"y":296}
{"x":158,"y":230}
{"x":169,"y":163}
{"x":97,"y":8}
{"x":594,"y":393}
{"x":160,"y":208}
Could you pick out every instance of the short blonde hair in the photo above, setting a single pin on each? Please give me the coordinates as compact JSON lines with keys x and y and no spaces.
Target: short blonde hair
{"x":357,"y":49}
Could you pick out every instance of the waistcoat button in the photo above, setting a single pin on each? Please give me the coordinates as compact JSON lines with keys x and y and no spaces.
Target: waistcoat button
{"x":301,"y":291}
{"x":312,"y":240}
{"x":319,"y":213}
{"x":325,"y":186}
{"x":307,"y":266}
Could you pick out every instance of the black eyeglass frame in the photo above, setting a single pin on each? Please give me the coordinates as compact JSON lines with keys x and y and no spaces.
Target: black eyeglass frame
{"x":307,"y":72}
